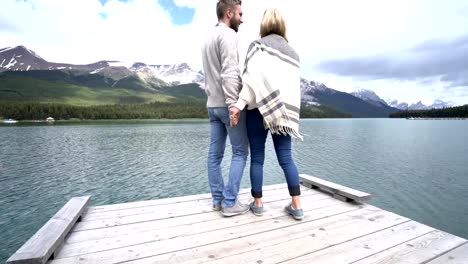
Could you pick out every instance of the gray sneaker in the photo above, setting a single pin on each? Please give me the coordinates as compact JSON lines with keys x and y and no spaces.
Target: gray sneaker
{"x":298,"y":214}
{"x":237,"y":209}
{"x":256,"y":210}
{"x":216,"y":207}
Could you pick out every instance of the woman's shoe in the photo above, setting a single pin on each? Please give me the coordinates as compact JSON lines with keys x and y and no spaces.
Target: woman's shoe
{"x":298,"y":214}
{"x":256,"y":210}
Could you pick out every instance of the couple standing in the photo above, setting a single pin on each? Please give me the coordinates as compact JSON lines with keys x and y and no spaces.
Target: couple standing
{"x":269,"y":89}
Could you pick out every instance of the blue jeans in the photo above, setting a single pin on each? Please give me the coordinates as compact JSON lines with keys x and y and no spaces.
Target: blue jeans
{"x":220,"y":129}
{"x":257,"y":136}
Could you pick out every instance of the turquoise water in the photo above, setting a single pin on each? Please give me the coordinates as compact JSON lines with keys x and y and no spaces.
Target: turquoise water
{"x":416,"y":168}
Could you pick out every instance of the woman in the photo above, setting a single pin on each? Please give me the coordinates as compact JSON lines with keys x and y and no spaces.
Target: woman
{"x":271,"y":93}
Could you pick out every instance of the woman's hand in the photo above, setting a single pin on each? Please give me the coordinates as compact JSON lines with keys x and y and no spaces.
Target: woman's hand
{"x":234,"y":115}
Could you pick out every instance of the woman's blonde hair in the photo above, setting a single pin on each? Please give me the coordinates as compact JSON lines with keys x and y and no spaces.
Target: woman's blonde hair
{"x":273,"y":23}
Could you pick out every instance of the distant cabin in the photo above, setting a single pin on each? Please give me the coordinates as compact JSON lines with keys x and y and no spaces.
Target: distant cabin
{"x":50,"y":119}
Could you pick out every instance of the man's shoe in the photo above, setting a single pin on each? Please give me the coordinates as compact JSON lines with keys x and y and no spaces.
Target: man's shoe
{"x":256,"y":210}
{"x":217,"y":207}
{"x":237,"y":209}
{"x":298,"y":214}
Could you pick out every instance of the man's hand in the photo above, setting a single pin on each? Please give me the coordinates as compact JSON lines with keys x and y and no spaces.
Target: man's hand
{"x":234,"y":115}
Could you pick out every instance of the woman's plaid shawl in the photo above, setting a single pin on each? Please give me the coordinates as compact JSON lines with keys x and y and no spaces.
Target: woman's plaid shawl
{"x":271,"y":75}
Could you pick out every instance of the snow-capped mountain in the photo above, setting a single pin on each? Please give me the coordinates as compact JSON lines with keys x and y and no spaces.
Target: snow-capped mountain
{"x":370,"y":97}
{"x":22,"y":59}
{"x":441,"y":104}
{"x":398,"y":105}
{"x":316,"y":93}
{"x":419,"y":105}
{"x":172,"y":74}
{"x":308,"y":88}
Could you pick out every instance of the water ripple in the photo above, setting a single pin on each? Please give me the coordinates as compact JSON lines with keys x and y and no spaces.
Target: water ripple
{"x":414,"y":168}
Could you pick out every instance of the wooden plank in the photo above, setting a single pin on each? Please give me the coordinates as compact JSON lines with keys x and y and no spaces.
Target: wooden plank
{"x":334,"y":189}
{"x":202,"y":204}
{"x":173,"y":200}
{"x":279,"y":226}
{"x":417,"y":250}
{"x":416,"y":243}
{"x":286,"y":241}
{"x":275,"y":209}
{"x":131,"y":219}
{"x":309,"y":197}
{"x":291,"y":251}
{"x":40,"y":247}
{"x":457,"y":255}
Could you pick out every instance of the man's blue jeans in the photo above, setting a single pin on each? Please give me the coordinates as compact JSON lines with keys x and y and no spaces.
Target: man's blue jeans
{"x":220,"y":129}
{"x":257,"y":137}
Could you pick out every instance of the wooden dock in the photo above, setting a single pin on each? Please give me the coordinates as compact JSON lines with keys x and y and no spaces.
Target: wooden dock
{"x":186,"y":230}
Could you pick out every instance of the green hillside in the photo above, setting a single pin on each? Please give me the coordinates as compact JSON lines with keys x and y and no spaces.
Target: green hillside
{"x":58,"y":87}
{"x":65,"y":94}
{"x":322,"y":112}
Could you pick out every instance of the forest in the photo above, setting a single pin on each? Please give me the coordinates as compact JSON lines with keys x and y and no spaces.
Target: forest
{"x":155,"y":110}
{"x":448,"y":112}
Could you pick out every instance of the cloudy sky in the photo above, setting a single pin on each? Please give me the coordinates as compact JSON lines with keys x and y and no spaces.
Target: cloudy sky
{"x":408,"y":50}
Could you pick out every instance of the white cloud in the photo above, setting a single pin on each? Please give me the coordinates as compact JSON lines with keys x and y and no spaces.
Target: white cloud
{"x":141,"y":30}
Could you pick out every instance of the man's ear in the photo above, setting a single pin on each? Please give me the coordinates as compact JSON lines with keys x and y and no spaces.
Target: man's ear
{"x":229,"y":13}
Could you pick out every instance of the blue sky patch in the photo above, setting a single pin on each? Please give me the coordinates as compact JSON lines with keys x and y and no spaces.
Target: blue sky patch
{"x":104,"y":1}
{"x":179,"y":15}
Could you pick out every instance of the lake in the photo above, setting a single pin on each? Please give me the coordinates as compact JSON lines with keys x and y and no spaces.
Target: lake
{"x":416,"y":168}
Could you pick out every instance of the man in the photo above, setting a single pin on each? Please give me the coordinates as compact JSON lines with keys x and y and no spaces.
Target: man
{"x":222,"y":86}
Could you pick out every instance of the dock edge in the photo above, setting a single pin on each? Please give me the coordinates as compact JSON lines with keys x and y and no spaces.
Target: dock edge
{"x":40,"y":247}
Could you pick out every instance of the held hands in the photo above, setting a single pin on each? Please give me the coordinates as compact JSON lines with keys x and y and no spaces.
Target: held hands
{"x":234,"y":115}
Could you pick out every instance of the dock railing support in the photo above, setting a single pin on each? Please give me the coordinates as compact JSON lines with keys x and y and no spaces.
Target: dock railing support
{"x":40,"y":247}
{"x":339,"y":192}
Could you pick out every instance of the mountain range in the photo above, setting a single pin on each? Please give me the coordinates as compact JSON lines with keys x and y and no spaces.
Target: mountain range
{"x":371,"y":97}
{"x":419,"y":105}
{"x":25,"y":76}
{"x":21,"y":58}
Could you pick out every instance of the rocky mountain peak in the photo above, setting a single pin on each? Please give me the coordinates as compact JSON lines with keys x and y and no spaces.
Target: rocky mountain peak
{"x":420,"y":105}
{"x":309,"y":88}
{"x":307,"y":85}
{"x":20,"y":58}
{"x":369,"y":96}
{"x":138,"y":65}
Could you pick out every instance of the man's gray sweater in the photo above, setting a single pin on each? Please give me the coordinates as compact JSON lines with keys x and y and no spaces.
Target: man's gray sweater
{"x":221,"y":66}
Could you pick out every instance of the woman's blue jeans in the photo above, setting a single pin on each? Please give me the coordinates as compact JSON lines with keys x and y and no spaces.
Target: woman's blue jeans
{"x":219,"y":123}
{"x":257,"y":136}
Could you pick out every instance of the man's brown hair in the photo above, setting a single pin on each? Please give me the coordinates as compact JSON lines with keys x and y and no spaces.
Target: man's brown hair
{"x":223,"y":5}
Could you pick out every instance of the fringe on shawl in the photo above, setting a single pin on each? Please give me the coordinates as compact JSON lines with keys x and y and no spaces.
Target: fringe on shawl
{"x":282,"y":126}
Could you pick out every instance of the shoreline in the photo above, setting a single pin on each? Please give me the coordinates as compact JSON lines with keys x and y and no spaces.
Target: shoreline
{"x":103,"y":121}
{"x":436,"y":118}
